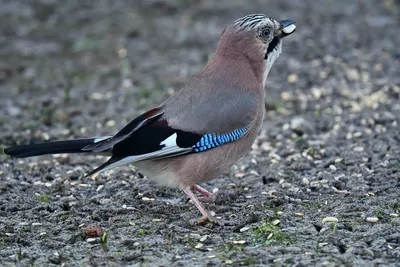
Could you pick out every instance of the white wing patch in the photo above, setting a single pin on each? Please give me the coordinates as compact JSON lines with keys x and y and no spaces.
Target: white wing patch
{"x":98,"y":139}
{"x":170,"y":141}
{"x":170,"y":149}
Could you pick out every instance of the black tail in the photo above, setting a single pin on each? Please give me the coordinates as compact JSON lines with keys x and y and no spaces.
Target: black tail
{"x":58,"y":147}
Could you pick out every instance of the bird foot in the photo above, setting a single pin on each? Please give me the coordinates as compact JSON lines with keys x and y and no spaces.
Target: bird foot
{"x":206,"y":196}
{"x":211,"y":198}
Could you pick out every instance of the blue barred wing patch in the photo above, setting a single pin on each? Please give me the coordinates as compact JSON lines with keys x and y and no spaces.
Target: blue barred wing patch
{"x":213,"y":140}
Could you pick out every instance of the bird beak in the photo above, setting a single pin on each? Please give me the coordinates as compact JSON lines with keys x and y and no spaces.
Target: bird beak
{"x":288,"y":27}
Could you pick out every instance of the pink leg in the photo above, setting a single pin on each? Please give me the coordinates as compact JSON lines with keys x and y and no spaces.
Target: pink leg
{"x":209,"y":197}
{"x":206,"y":217}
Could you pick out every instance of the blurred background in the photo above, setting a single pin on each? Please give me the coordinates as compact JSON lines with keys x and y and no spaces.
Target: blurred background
{"x":330,"y":144}
{"x":80,"y":65}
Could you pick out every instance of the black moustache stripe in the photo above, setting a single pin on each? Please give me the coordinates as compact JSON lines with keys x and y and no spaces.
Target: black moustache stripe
{"x":274,"y":43}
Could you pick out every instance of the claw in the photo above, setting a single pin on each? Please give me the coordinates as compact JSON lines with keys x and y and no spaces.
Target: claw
{"x":203,"y":220}
{"x":206,"y":216}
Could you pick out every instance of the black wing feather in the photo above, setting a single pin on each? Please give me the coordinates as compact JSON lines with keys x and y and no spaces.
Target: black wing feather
{"x":125,"y":132}
{"x":148,"y":139}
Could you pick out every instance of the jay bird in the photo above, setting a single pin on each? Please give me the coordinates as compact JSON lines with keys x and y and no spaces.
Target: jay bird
{"x":203,"y":129}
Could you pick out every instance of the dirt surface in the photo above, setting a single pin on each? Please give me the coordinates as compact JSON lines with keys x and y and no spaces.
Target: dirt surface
{"x":330,"y":146}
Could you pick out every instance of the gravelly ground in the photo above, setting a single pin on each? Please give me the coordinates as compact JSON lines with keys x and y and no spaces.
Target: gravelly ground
{"x":330,"y":146}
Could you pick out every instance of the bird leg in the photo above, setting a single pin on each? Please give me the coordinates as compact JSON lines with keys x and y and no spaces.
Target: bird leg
{"x":207,"y":195}
{"x":206,"y":217}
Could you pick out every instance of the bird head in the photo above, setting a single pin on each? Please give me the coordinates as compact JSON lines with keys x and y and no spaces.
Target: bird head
{"x":258,"y":38}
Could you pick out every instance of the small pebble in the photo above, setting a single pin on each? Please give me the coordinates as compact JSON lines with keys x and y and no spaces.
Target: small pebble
{"x":94,"y":230}
{"x":254,"y":173}
{"x":338,"y":160}
{"x":244,"y":229}
{"x":293,"y":78}
{"x":299,"y":214}
{"x":199,"y":245}
{"x":239,"y":242}
{"x":202,"y":239}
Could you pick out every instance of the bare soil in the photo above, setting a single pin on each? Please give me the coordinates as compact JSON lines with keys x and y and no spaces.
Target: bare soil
{"x":330,"y":146}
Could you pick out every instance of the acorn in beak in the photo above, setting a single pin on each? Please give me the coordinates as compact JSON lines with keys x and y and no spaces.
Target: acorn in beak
{"x":288,"y":27}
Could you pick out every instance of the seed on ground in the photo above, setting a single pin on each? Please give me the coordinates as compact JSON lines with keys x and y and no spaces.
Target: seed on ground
{"x":323,"y":230}
{"x":276,"y":222}
{"x":244,"y":229}
{"x":330,"y":219}
{"x":199,"y":245}
{"x":299,"y":214}
{"x":239,"y":242}
{"x":372,"y":219}
{"x":338,"y":160}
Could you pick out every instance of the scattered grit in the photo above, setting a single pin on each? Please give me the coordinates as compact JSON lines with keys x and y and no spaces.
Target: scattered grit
{"x":320,"y":187}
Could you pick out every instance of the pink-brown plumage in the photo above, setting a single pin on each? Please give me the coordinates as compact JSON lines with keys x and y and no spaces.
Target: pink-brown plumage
{"x":203,"y":129}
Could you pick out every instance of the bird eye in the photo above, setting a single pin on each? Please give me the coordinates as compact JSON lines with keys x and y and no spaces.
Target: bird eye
{"x":265,"y":33}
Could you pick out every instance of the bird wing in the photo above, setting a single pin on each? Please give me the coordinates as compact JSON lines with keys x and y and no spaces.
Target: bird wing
{"x":191,"y":121}
{"x":157,"y":140}
{"x":107,"y":143}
